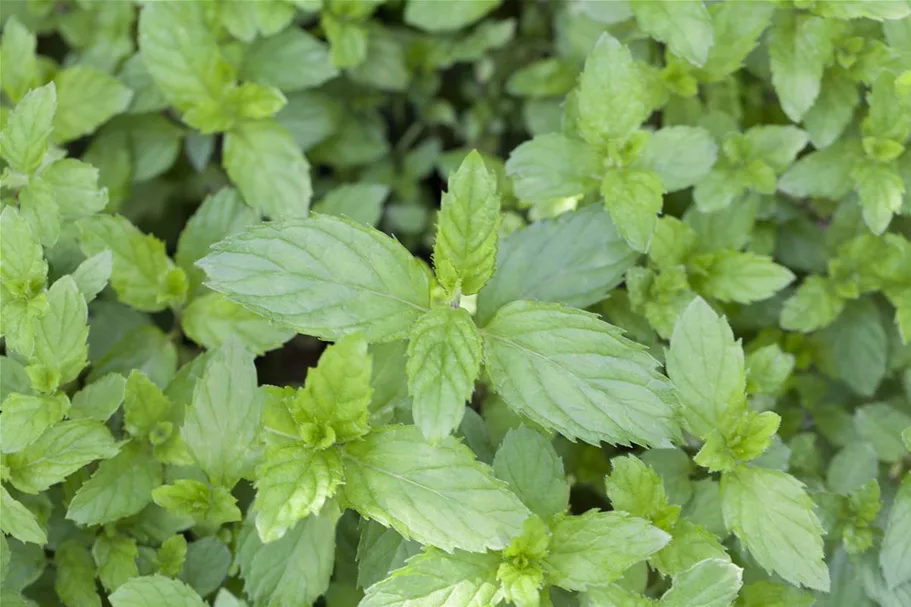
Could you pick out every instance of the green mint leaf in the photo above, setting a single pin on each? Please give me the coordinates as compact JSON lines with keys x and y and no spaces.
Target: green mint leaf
{"x":22,"y":265}
{"x":295,"y":568}
{"x":115,"y":555}
{"x":635,"y":488}
{"x":465,"y":249}
{"x":40,"y":211}
{"x":75,"y":583}
{"x":738,"y":276}
{"x":206,"y":566}
{"x":171,"y":555}
{"x":221,"y":424}
{"x":880,"y":189}
{"x":772,"y":515}
{"x":75,"y":188}
{"x":25,"y":418}
{"x":362,"y":202}
{"x":777,"y":146}
{"x":741,"y":439}
{"x":881,"y":425}
{"x":634,"y":198}
{"x":60,"y":337}
{"x":574,"y":259}
{"x":685,"y":26}
{"x":100,"y":399}
{"x":768,"y":368}
{"x":833,"y":110}
{"x":571,"y":356}
{"x":528,"y":463}
{"x":813,"y":306}
{"x":380,"y":551}
{"x":800,"y":46}
{"x":92,"y":275}
{"x":146,"y":410}
{"x":147,"y":97}
{"x":879,"y":10}
{"x":771,"y":594}
{"x":894,"y":557}
{"x":143,"y":276}
{"x":179,"y":50}
{"x":737,"y":29}
{"x":211,"y":320}
{"x":392,"y":477}
{"x":611,"y":94}
{"x":152,"y":590}
{"x":680,"y":155}
{"x":17,"y":53}
{"x":437,"y":579}
{"x":59,"y":452}
{"x":19,"y":521}
{"x":323,"y":296}
{"x":852,"y":467}
{"x":543,"y":78}
{"x":430,"y":16}
{"x":598,"y":547}
{"x":552,"y":166}
{"x":706,"y":367}
{"x":268,"y":168}
{"x":27,"y":131}
{"x":347,"y":40}
{"x":690,"y":544}
{"x":444,"y":360}
{"x":853,"y":348}
{"x":293,"y":482}
{"x":291,"y":60}
{"x":709,"y":583}
{"x":86,"y":99}
{"x":121,"y":487}
{"x":205,"y":504}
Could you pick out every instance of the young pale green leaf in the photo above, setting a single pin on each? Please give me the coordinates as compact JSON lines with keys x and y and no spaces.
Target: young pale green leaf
{"x":680,"y":155}
{"x":143,"y":276}
{"x":19,"y":521}
{"x":768,"y":368}
{"x":438,"y":495}
{"x":269,"y":169}
{"x":75,"y":582}
{"x":27,"y":131}
{"x":573,"y":259}
{"x":437,"y":579}
{"x":813,"y":306}
{"x":59,"y":452}
{"x":121,"y":487}
{"x":211,"y":320}
{"x":444,"y":360}
{"x":146,"y":410}
{"x":771,"y":594}
{"x":736,"y":28}
{"x":222,"y":423}
{"x":706,"y":367}
{"x":115,"y":555}
{"x":362,"y":202}
{"x":880,"y":189}
{"x":40,"y":211}
{"x":180,"y":52}
{"x":293,"y":482}
{"x":800,"y":46}
{"x":171,"y":555}
{"x":465,"y":249}
{"x":895,"y":556}
{"x":775,"y":145}
{"x":739,"y":276}
{"x":280,"y":270}
{"x":60,"y":337}
{"x":598,"y":547}
{"x":431,"y":16}
{"x":75,"y":188}
{"x":685,"y":26}
{"x":24,"y":418}
{"x":611,"y":94}
{"x":580,"y":376}
{"x":772,"y":515}
{"x":295,"y":569}
{"x":153,"y":591}
{"x":17,"y":54}
{"x":719,"y":189}
{"x":86,"y":99}
{"x":22,"y":265}
{"x":207,"y":505}
{"x":634,"y":198}
{"x":709,"y":583}
{"x":528,"y":463}
{"x":380,"y":551}
{"x":552,"y":166}
{"x":100,"y":399}
{"x":92,"y":275}
{"x":635,"y":488}
{"x":880,"y":10}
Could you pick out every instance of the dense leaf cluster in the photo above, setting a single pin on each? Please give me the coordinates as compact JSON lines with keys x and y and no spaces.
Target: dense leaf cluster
{"x":455,"y":303}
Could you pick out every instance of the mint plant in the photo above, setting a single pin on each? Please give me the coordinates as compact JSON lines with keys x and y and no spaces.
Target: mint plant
{"x":447,"y":303}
